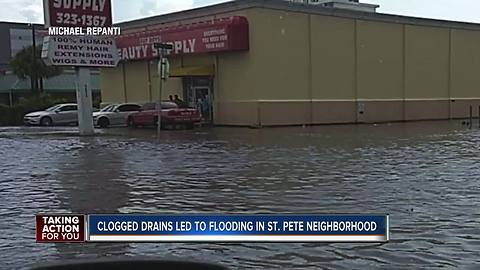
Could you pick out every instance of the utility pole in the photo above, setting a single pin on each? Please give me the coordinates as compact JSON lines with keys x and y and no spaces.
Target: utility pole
{"x":84,"y":101}
{"x":162,"y":49}
{"x":34,"y":79}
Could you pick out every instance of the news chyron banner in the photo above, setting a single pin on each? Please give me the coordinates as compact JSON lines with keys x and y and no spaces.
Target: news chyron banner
{"x":212,"y":228}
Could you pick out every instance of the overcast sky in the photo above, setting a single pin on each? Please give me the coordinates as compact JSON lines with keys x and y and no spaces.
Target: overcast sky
{"x":459,"y":10}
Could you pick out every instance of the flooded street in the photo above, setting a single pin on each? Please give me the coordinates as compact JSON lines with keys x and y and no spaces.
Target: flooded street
{"x":425,"y":175}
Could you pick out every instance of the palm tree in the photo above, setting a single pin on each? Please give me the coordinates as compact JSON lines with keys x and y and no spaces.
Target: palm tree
{"x":23,"y":66}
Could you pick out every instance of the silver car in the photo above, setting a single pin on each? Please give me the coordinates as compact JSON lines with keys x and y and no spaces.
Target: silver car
{"x":115,"y":114}
{"x":61,"y":114}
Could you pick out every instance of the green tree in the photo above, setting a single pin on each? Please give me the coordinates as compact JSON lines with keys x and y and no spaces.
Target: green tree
{"x":23,"y":66}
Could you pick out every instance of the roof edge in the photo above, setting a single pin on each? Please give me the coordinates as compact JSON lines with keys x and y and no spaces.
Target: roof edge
{"x":237,"y":5}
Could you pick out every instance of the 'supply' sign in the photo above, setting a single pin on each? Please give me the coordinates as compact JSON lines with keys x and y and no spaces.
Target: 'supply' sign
{"x":93,"y":5}
{"x":149,"y":50}
{"x":82,"y":13}
{"x":230,"y":34}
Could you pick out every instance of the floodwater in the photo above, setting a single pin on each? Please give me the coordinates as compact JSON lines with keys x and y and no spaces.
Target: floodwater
{"x":425,"y":175}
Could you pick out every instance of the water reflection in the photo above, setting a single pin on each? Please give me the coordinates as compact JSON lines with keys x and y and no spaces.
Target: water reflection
{"x":90,"y":180}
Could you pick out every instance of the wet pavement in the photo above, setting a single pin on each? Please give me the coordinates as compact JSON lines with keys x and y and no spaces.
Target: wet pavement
{"x":425,"y":175}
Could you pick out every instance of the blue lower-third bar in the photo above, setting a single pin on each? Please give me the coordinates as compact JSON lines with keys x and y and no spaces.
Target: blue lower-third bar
{"x":238,"y":228}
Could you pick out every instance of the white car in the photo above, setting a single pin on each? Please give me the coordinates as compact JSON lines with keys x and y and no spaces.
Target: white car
{"x":61,"y":114}
{"x":115,"y":114}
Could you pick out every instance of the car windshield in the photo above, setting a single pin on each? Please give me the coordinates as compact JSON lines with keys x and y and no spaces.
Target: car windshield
{"x":109,"y":108}
{"x":53,"y":108}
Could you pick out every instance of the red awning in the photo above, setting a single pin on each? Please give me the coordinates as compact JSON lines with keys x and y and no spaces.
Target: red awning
{"x":219,"y":35}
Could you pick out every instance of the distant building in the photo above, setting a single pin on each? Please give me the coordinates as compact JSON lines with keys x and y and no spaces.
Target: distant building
{"x":13,"y":38}
{"x":62,"y":87}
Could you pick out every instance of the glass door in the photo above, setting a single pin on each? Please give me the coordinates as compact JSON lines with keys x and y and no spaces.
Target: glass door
{"x":203,"y":102}
{"x":198,"y":92}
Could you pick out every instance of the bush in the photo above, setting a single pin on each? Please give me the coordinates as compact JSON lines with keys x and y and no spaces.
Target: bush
{"x":13,"y":116}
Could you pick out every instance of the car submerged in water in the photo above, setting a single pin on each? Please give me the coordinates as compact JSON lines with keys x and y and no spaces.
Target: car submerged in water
{"x":115,"y":114}
{"x":171,"y":115}
{"x":60,"y":114}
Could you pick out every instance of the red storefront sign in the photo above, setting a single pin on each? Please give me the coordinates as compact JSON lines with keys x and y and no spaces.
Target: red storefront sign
{"x":221,"y":35}
{"x":78,"y":13}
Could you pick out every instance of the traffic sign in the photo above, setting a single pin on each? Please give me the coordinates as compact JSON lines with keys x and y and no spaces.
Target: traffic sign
{"x":164,"y":46}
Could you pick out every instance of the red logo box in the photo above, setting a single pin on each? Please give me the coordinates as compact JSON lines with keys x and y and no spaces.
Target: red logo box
{"x":60,"y":228}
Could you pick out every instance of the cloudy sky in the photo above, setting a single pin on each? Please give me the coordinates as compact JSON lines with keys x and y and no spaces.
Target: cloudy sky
{"x":460,"y":10}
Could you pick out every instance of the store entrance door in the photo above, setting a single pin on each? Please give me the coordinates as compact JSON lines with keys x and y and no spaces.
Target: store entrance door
{"x":199,"y":94}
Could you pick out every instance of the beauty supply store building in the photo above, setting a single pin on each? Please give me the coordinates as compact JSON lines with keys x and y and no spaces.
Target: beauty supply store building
{"x":268,"y":63}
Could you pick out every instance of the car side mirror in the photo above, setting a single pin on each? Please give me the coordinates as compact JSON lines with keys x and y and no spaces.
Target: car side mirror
{"x":57,"y":111}
{"x":117,"y":110}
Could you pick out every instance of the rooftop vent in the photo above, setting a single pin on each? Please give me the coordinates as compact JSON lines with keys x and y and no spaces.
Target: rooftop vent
{"x":341,"y":4}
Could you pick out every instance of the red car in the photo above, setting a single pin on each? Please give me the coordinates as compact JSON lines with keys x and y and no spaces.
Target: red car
{"x":172,"y":114}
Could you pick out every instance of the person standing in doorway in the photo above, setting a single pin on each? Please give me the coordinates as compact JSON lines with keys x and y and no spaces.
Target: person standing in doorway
{"x":171,"y":98}
{"x":207,"y":108}
{"x":200,"y":107}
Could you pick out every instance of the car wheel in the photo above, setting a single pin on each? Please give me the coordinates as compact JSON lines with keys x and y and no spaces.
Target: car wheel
{"x":46,"y":121}
{"x":131,"y":122}
{"x":103,"y":122}
{"x":163,"y":125}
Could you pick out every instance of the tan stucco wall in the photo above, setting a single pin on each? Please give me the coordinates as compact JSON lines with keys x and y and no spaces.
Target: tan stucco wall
{"x":332,"y":58}
{"x":235,"y":91}
{"x":427,"y":110}
{"x":426,"y":62}
{"x":112,"y":85}
{"x":313,"y":69}
{"x":465,"y":64}
{"x":136,"y":81}
{"x":280,"y":43}
{"x":379,"y":60}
